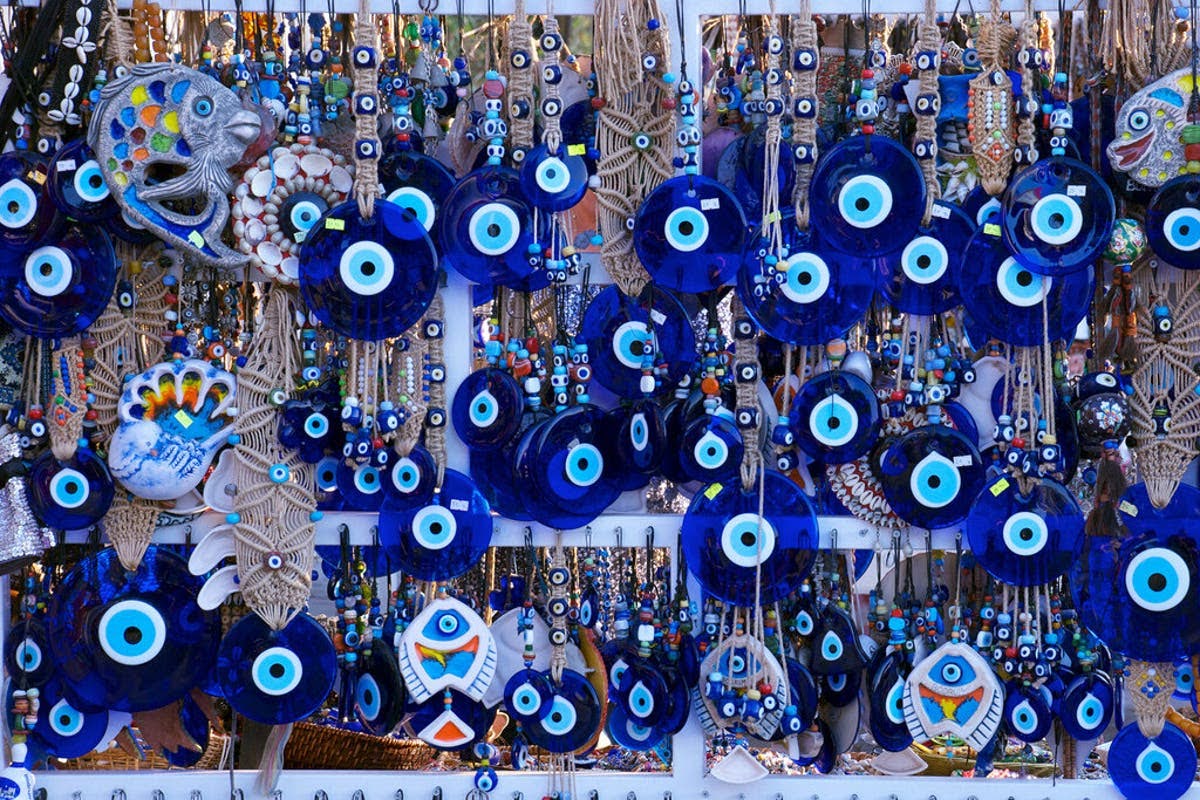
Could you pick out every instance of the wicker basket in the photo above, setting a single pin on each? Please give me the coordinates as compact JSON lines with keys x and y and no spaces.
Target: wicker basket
{"x":326,"y":747}
{"x":114,"y":759}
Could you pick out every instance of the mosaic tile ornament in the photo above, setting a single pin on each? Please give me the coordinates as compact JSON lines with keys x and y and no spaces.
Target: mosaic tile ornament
{"x":165,"y":137}
{"x":1146,"y":144}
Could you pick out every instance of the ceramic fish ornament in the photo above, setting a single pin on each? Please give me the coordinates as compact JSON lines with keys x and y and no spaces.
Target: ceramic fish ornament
{"x":1149,"y":141}
{"x":953,"y":691}
{"x":447,"y":645}
{"x":165,"y":137}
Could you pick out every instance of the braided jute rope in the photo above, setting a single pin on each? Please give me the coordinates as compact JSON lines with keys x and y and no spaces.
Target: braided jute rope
{"x":804,"y":129}
{"x":435,"y":435}
{"x":992,"y":163}
{"x":746,"y":352}
{"x":929,"y":39}
{"x":632,"y":105}
{"x":1149,"y":688}
{"x":273,"y":517}
{"x":520,"y":79}
{"x":366,"y":126}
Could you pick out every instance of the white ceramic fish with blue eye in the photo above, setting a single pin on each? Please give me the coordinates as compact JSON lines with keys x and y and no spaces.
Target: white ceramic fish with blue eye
{"x":164,"y":135}
{"x":174,"y":417}
{"x":447,"y":646}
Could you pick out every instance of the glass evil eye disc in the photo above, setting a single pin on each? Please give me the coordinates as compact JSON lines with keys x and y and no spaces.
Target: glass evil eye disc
{"x":1161,"y":768}
{"x":64,"y":730}
{"x":868,"y":195}
{"x":553,"y":182}
{"x":689,"y":234}
{"x":368,"y":279}
{"x":835,"y":417}
{"x":27,"y":653}
{"x":921,"y":278}
{"x":1025,"y":539}
{"x":379,"y":692}
{"x":77,"y":184}
{"x":70,"y":494}
{"x":622,"y":332}
{"x":1138,"y":598}
{"x":443,"y":538}
{"x":1003,"y":296}
{"x":131,"y":641}
{"x":487,"y":227}
{"x":487,"y":408}
{"x":62,"y":286}
{"x":725,"y":546}
{"x":410,"y":480}
{"x":1057,"y":216}
{"x":931,"y":475}
{"x":1173,"y":222}
{"x":419,"y":183}
{"x":569,"y":468}
{"x":276,"y":677}
{"x":570,"y":718}
{"x":817,"y":295}
{"x":1087,"y":706}
{"x":27,"y":209}
{"x":528,"y":695}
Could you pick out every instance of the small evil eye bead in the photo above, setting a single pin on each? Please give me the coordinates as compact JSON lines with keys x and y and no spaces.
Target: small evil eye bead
{"x":787,"y":461}
{"x":747,"y":417}
{"x":685,"y":87}
{"x":925,"y":149}
{"x":125,"y":295}
{"x":485,"y":779}
{"x":552,"y":74}
{"x":774,"y":44}
{"x":550,"y":42}
{"x":744,"y":328}
{"x":804,"y":152}
{"x":519,"y":109}
{"x":519,"y":154}
{"x":363,"y":57}
{"x":804,"y":59}
{"x":558,"y":637}
{"x":970,"y":58}
{"x":367,"y":148}
{"x":273,"y":561}
{"x":519,"y":59}
{"x":493,"y":128}
{"x":493,"y":105}
{"x":1058,"y":142}
{"x":310,"y":374}
{"x":629,"y":223}
{"x":366,"y":104}
{"x":1025,"y":154}
{"x":559,"y":576}
{"x":557,"y":607}
{"x":279,"y":473}
{"x":649,"y":62}
{"x":640,"y":141}
{"x":495,"y":151}
{"x":402,"y":124}
{"x":774,"y":77}
{"x":928,"y":60}
{"x":551,"y":107}
{"x":433,"y":329}
{"x":928,"y":104}
{"x":277,"y":397}
{"x":747,"y":372}
{"x":435,"y":417}
{"x":773,"y":107}
{"x":37,"y":430}
{"x":1013,"y":458}
{"x":437,"y":373}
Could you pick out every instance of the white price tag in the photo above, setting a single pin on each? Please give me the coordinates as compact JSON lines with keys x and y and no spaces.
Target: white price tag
{"x":1075,"y":190}
{"x":710,"y":204}
{"x":940,"y":211}
{"x":962,"y":461}
{"x":66,"y":165}
{"x":459,"y":505}
{"x":659,"y":317}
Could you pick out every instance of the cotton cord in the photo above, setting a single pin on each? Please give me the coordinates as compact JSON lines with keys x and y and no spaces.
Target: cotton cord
{"x":366,"y":126}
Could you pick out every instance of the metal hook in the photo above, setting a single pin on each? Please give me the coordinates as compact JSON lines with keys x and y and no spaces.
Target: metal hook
{"x":437,"y":790}
{"x":619,"y":534}
{"x":632,"y":795}
{"x":518,"y":796}
{"x":358,"y":795}
{"x":117,"y":794}
{"x":158,"y":794}
{"x":399,"y":794}
{"x":593,"y":794}
{"x":195,"y":794}
{"x":587,"y":538}
{"x":40,"y":793}
{"x":650,"y":536}
{"x":320,"y":795}
{"x":277,"y":794}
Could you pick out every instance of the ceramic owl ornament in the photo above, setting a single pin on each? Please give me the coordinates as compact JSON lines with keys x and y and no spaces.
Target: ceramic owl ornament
{"x":165,"y":137}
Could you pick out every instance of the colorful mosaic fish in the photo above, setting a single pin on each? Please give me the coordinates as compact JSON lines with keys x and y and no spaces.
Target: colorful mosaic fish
{"x":165,"y":137}
{"x":1148,"y":144}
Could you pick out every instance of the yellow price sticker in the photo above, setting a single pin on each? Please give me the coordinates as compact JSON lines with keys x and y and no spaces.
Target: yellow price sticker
{"x":333,"y":224}
{"x":713,"y":490}
{"x":196,"y":239}
{"x":576,"y":150}
{"x":991,"y":229}
{"x":999,"y":486}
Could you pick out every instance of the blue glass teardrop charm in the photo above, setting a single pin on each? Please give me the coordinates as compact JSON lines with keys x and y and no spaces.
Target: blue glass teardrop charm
{"x":931,"y":475}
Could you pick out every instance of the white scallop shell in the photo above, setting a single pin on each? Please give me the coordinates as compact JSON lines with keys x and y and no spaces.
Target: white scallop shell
{"x":262,"y":183}
{"x":289,"y":270}
{"x":269,"y":253}
{"x":256,"y":231}
{"x":316,"y":164}
{"x":252,"y":206}
{"x":339,"y":178}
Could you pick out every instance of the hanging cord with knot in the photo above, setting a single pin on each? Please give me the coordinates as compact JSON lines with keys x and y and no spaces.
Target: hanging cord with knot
{"x":551,"y":123}
{"x":366,"y":125}
{"x":631,"y":107}
{"x":990,"y":119}
{"x":520,"y":78}
{"x":435,"y":416}
{"x":772,"y":217}
{"x":929,"y":41}
{"x":805,"y":46}
{"x":117,"y":36}
{"x":746,"y":356}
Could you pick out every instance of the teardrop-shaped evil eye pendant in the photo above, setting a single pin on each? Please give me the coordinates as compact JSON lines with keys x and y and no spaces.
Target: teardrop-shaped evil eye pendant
{"x":835,"y":417}
{"x":276,"y":677}
{"x":1027,"y":713}
{"x":689,"y":234}
{"x":1087,"y":706}
{"x":1057,"y":216}
{"x":931,"y":476}
{"x":379,"y":693}
{"x":868,"y":196}
{"x":487,"y":408}
{"x":27,"y":657}
{"x":1161,"y":768}
{"x":642,"y":692}
{"x":1173,"y":222}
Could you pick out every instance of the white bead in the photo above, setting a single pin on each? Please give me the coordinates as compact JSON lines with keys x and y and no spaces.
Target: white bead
{"x":532,"y":385}
{"x":647,"y":384}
